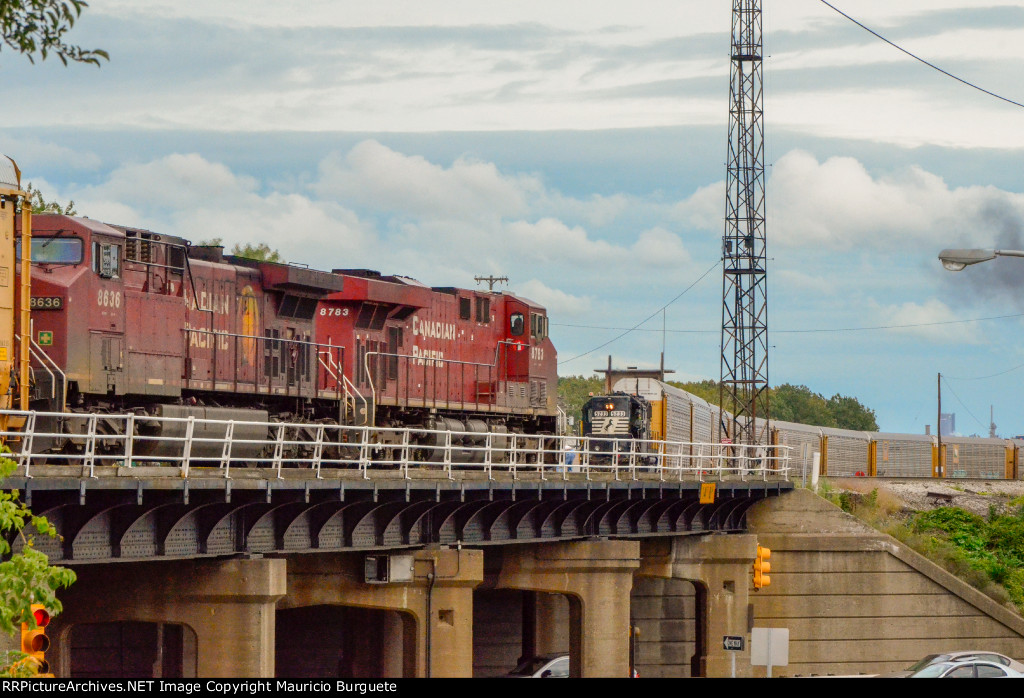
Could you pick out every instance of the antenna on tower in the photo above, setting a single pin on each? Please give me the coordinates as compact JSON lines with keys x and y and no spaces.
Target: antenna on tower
{"x":491,"y":280}
{"x":743,"y":389}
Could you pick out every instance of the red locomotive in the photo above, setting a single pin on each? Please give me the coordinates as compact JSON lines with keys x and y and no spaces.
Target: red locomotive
{"x":130,"y":320}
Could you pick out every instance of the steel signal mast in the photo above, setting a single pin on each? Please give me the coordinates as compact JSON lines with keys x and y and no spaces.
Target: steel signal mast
{"x":743,"y":389}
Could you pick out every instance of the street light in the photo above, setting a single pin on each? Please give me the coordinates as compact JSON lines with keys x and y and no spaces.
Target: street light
{"x":955,"y":260}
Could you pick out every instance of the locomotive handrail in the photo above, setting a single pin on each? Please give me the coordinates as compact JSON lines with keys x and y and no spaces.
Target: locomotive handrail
{"x":43,"y":358}
{"x":212,"y":443}
{"x":349,"y":388}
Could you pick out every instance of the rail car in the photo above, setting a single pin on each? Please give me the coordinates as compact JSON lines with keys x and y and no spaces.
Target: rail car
{"x":676,"y":415}
{"x":128,"y":320}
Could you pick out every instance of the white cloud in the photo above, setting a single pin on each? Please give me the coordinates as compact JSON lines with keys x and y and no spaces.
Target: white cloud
{"x":188,"y":196}
{"x":36,"y":155}
{"x":804,"y":283}
{"x":932,"y":320}
{"x":704,"y":209}
{"x":837,"y":204}
{"x":376,"y":207}
{"x":383,"y":179}
{"x":559,"y":304}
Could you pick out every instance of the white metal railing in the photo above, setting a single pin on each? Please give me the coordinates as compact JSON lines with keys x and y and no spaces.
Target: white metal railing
{"x":89,"y":440}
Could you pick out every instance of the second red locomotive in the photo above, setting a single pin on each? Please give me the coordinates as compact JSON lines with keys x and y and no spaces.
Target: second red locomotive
{"x":126,"y":319}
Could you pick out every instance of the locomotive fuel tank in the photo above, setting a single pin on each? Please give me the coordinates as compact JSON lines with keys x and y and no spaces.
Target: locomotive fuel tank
{"x":165,"y":435}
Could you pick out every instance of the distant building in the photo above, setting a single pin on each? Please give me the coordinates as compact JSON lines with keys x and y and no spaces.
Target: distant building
{"x":947,"y":424}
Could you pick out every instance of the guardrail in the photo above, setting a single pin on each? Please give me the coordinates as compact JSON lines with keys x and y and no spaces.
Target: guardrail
{"x":130,"y":440}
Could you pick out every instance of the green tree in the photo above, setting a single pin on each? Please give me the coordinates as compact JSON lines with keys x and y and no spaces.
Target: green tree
{"x":26,"y":577}
{"x":573,"y":391}
{"x":849,"y":413}
{"x":33,"y":27}
{"x":705,"y":389}
{"x":41,"y":205}
{"x":260,"y":252}
{"x":798,"y":403}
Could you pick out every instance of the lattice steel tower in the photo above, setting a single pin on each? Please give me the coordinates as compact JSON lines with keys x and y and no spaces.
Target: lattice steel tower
{"x":744,"y":383}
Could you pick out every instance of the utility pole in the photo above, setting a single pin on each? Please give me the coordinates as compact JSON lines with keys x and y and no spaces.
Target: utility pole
{"x":491,"y":280}
{"x":938,"y":428}
{"x":743,"y":389}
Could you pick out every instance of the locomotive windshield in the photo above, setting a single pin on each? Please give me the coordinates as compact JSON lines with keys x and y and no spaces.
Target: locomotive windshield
{"x":54,"y":250}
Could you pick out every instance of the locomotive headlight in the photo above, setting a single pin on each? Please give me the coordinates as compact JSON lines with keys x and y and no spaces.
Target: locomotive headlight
{"x":609,"y":406}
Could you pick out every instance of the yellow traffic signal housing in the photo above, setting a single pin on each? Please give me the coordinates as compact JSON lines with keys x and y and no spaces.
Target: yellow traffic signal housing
{"x":34,"y":642}
{"x":762,"y":567}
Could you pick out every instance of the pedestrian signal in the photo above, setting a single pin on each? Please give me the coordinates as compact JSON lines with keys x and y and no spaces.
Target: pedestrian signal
{"x":762,"y":567}
{"x":34,"y":642}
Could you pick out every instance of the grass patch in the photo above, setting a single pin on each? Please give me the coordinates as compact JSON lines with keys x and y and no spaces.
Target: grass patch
{"x":986,"y":552}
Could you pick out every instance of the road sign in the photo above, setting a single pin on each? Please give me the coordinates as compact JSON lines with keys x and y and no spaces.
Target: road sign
{"x":733,"y":643}
{"x":707,"y":493}
{"x":769,"y":647}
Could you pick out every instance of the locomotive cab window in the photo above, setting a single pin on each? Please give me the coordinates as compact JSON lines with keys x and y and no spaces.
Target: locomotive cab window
{"x":538,"y":326}
{"x":106,"y":260}
{"x":54,"y":249}
{"x":465,"y":308}
{"x":516,"y":325}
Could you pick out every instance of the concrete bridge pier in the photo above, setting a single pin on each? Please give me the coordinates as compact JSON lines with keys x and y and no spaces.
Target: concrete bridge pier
{"x":440,"y":589}
{"x":596,"y":576}
{"x":719,"y":566}
{"x":227,"y":604}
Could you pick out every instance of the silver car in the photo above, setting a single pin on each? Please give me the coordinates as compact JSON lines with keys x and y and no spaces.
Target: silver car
{"x":551,"y":666}
{"x":960,"y":656}
{"x":970,"y":669}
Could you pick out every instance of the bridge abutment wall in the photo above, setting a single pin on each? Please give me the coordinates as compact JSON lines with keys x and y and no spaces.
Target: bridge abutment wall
{"x":858,"y":601}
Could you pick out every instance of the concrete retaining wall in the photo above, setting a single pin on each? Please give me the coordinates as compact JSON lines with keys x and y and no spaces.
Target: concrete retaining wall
{"x":856,"y":601}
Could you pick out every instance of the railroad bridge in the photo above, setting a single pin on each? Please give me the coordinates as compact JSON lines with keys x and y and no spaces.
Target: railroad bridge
{"x":215,"y":574}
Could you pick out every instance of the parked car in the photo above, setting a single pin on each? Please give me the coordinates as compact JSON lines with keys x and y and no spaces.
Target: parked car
{"x":959,"y":656}
{"x":548,"y":666}
{"x":971,"y":669}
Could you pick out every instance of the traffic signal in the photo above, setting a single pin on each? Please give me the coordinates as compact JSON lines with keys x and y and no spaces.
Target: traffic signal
{"x":34,"y":642}
{"x":762,"y":567}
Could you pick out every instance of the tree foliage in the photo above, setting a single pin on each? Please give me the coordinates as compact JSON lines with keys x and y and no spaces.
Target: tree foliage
{"x":994,"y":548}
{"x":33,"y":27}
{"x":26,"y":577}
{"x":41,"y":205}
{"x":573,"y":391}
{"x":789,"y":403}
{"x":261,"y":252}
{"x":800,"y":404}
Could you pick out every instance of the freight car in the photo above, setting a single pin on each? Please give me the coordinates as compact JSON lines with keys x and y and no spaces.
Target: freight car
{"x":675,"y":415}
{"x":128,"y":320}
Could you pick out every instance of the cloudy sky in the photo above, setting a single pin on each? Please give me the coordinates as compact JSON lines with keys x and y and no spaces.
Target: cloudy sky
{"x":579,"y":148}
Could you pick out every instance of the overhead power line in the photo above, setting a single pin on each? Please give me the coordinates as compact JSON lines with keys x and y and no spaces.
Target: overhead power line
{"x":637,"y":325}
{"x":809,"y":331}
{"x":918,"y":58}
